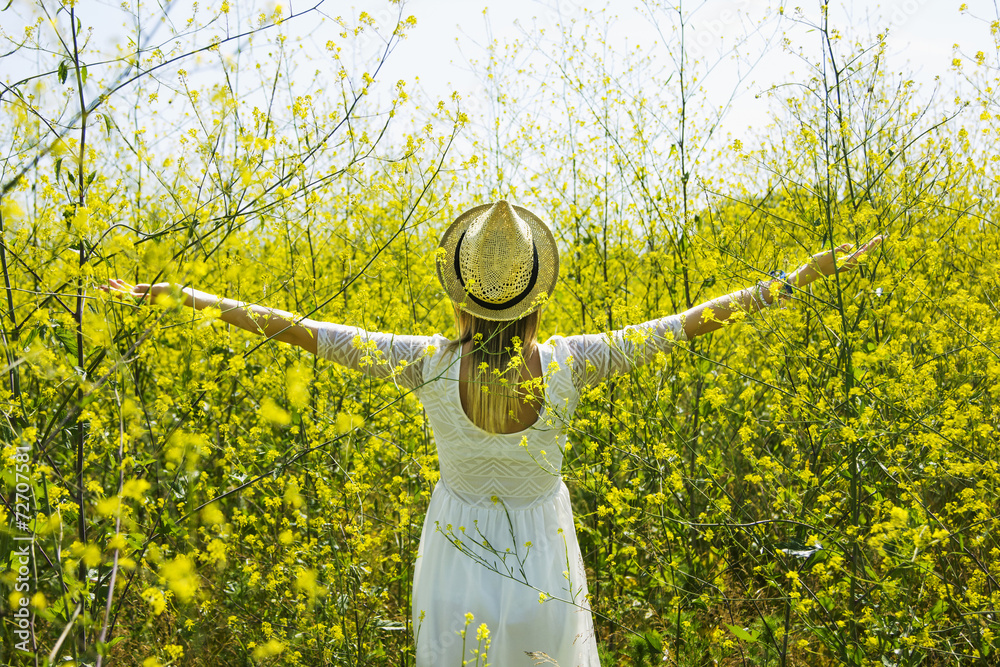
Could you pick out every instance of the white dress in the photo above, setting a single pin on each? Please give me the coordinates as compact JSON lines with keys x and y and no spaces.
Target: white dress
{"x":499,"y":541}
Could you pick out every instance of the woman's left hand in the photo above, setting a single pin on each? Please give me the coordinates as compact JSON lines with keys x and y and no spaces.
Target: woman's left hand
{"x":823,"y":263}
{"x":144,"y":291}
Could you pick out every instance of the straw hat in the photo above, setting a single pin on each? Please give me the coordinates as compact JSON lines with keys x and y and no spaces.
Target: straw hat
{"x":498,"y":262}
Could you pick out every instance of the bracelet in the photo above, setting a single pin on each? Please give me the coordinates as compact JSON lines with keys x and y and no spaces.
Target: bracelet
{"x":757,"y":294}
{"x":786,"y":288}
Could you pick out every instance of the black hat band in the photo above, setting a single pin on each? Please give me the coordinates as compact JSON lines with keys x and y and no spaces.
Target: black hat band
{"x":510,"y":302}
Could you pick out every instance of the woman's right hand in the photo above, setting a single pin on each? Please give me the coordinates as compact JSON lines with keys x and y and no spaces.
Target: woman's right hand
{"x":143,"y":291}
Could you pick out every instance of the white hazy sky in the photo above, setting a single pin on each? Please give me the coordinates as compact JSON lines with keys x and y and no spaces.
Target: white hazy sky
{"x":922,"y":35}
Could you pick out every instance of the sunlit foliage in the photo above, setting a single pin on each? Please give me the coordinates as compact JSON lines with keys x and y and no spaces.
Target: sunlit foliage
{"x":818,"y":484}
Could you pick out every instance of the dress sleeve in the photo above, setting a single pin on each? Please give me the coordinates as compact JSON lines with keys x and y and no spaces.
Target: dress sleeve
{"x":379,"y":355}
{"x":598,"y":356}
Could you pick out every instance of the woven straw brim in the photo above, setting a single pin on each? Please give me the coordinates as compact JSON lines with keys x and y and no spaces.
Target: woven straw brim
{"x":548,"y":266}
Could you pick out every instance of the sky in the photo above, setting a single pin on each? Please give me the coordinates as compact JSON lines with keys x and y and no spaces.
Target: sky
{"x":922,"y":36}
{"x":448,"y":33}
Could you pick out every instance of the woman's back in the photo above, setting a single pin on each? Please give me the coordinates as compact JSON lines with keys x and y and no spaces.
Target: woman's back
{"x":519,"y":467}
{"x":529,"y":408}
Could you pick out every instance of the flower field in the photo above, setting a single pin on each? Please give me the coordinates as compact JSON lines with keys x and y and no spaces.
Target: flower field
{"x":818,"y":484}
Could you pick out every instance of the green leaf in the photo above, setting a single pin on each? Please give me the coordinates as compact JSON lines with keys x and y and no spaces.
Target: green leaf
{"x":797,"y":549}
{"x":58,"y":167}
{"x":32,"y":334}
{"x":742,"y":633}
{"x":654,"y":640}
{"x":68,"y":339}
{"x":63,"y":71}
{"x":83,"y":74}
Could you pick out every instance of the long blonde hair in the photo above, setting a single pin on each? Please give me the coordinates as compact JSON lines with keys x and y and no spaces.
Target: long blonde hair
{"x":499,"y":351}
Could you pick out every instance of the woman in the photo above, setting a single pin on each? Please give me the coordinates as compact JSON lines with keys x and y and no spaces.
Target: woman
{"x":498,"y":545}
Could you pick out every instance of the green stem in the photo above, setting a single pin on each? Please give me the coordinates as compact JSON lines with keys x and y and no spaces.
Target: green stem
{"x":81,"y":425}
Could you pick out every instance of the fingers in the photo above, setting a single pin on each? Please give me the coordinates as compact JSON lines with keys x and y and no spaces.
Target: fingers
{"x":114,"y":284}
{"x":868,"y":245}
{"x":829,"y":262}
{"x":852,"y":259}
{"x":122,"y":287}
{"x":873,"y":243}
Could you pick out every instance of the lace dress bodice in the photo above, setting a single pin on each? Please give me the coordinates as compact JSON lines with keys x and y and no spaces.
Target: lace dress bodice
{"x":518,"y":468}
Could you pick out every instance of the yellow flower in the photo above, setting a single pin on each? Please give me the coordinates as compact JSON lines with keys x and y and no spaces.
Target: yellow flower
{"x":272,"y":412}
{"x":348,"y":422}
{"x":108,"y":506}
{"x":180,"y":576}
{"x":135,"y":488}
{"x":212,"y":515}
{"x":271,"y":648}
{"x":156,"y":600}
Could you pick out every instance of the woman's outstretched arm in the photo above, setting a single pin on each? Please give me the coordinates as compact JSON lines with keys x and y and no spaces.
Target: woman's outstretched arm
{"x":380,"y":355}
{"x":597,"y":356}
{"x":270,"y":322}
{"x":746,"y":300}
